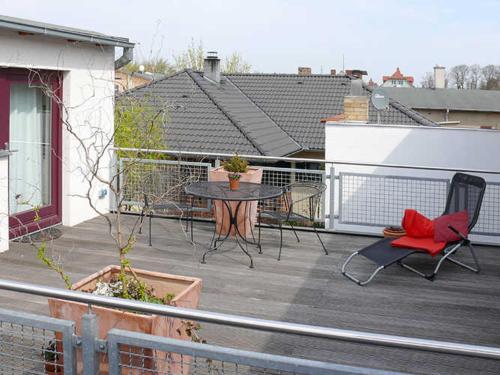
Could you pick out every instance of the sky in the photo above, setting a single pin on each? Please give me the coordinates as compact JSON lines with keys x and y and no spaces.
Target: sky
{"x":281,"y":35}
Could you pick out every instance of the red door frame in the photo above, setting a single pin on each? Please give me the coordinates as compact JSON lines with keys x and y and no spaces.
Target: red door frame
{"x":25,"y":222}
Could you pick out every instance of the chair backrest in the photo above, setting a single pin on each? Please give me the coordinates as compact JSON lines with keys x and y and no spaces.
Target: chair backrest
{"x":303,"y":198}
{"x":466,"y":193}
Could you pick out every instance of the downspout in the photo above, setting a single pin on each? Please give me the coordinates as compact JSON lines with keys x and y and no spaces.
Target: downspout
{"x":125,"y":58}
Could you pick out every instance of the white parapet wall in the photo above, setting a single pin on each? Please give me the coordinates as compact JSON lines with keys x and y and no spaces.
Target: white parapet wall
{"x":366,"y":198}
{"x":87,"y":108}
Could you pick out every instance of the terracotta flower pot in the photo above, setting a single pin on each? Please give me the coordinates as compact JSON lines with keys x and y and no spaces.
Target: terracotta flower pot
{"x":234,"y":183}
{"x":187,"y":292}
{"x":246,"y":217}
{"x":53,"y":369}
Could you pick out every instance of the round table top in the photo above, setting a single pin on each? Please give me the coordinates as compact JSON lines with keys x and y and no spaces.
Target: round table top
{"x":219,"y":190}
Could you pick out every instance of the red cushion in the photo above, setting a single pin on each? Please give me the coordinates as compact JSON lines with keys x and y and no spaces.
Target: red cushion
{"x":426,"y":244}
{"x":458,"y":220}
{"x":417,"y":225}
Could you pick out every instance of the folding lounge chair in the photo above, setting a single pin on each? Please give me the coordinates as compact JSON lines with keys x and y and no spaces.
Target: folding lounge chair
{"x":466,"y":193}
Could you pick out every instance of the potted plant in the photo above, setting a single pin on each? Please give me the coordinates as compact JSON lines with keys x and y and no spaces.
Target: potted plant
{"x":50,"y":357}
{"x":235,"y":167}
{"x":247,"y":216}
{"x":142,"y":123}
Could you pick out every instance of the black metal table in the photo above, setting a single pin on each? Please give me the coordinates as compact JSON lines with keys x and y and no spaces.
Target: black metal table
{"x":219,"y":191}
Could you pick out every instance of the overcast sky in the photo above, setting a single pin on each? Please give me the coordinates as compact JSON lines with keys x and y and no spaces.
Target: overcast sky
{"x":279,"y":35}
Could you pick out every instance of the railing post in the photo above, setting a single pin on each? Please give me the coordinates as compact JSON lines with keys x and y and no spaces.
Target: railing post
{"x":332,"y":198}
{"x":90,"y":353}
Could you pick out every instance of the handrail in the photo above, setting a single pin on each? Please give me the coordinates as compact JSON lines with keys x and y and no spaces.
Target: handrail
{"x":304,"y":160}
{"x":254,"y":323}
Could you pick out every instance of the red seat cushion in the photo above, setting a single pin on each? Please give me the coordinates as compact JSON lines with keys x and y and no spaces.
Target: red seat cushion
{"x":417,"y":225}
{"x":458,"y":220}
{"x":426,"y":244}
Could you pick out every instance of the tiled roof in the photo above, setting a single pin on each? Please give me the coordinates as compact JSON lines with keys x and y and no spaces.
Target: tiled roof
{"x":194,"y":122}
{"x":265,"y":114}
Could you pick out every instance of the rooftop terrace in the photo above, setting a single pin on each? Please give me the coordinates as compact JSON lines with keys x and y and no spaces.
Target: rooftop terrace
{"x":304,"y":287}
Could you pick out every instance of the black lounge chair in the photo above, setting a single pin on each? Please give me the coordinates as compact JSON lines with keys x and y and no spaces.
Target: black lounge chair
{"x":466,"y":193}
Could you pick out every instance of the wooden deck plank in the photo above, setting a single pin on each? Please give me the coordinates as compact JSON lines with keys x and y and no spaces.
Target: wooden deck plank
{"x":305,"y":287}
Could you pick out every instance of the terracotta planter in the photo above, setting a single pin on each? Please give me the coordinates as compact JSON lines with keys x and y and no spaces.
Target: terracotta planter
{"x":52,"y":369}
{"x":247,"y":215}
{"x":234,"y":183}
{"x":187,"y":292}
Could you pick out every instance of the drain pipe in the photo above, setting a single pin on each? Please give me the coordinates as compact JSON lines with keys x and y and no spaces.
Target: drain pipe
{"x":125,"y":58}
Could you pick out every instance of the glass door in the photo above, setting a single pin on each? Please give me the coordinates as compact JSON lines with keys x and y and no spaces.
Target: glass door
{"x":32,"y":132}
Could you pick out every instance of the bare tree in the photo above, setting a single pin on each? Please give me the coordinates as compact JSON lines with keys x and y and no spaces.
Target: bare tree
{"x":236,"y":64}
{"x":427,"y":81}
{"x":491,"y":77}
{"x":474,"y":77}
{"x":458,"y":75}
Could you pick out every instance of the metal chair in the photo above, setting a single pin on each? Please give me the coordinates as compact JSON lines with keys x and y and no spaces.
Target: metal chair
{"x":149,"y":210}
{"x":301,"y":203}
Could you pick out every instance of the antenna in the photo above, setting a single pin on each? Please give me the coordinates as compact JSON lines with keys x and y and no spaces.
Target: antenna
{"x":343,"y":63}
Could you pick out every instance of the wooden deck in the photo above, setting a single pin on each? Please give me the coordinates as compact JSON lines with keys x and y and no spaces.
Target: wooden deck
{"x":305,"y":287}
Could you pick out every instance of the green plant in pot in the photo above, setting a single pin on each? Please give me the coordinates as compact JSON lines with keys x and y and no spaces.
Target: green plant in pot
{"x":235,"y":166}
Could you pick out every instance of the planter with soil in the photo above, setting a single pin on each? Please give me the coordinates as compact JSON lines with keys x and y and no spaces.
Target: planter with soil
{"x":164,"y":288}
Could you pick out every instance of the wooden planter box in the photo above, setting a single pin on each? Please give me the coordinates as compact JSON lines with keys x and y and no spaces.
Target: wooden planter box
{"x":246,"y":217}
{"x":187,"y":292}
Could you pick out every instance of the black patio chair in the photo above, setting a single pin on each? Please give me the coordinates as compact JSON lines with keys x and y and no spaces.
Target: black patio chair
{"x":466,"y":193}
{"x":301,"y":204}
{"x":149,"y":209}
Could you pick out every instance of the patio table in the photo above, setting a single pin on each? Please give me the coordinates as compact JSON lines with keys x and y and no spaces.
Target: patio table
{"x":234,"y":201}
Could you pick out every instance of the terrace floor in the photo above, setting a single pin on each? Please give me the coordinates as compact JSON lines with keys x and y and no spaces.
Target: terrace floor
{"x":306,"y":286}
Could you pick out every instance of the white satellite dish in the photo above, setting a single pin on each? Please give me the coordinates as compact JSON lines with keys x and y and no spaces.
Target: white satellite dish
{"x":380,"y":99}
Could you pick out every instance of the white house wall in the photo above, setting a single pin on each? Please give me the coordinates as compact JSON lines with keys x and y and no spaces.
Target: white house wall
{"x":88,"y":94}
{"x":447,"y":148}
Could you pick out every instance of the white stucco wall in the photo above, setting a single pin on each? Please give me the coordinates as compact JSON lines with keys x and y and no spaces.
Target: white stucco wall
{"x":448,"y":148}
{"x":88,"y":95}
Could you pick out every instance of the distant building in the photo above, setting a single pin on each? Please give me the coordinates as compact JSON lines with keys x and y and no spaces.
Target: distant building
{"x":452,"y":107}
{"x":397,"y":79}
{"x":126,"y":81}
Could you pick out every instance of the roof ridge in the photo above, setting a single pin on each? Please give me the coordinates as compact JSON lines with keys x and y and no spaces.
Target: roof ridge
{"x":151,"y":83}
{"x":264,"y":112}
{"x":224,"y":112}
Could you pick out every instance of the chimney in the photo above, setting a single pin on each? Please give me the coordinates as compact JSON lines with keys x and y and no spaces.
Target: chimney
{"x":333,"y":72}
{"x":211,"y":67}
{"x":356,"y":73}
{"x":356,"y":104}
{"x":439,"y":77}
{"x":304,"y":71}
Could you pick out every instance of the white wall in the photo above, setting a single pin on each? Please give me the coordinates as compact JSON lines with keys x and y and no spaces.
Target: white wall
{"x":449,"y":148}
{"x":88,"y":95}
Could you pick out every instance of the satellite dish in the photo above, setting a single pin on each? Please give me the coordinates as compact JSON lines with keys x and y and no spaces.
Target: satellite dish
{"x":380,"y":99}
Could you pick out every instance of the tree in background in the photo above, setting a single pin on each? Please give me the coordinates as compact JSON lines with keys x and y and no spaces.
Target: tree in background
{"x":458,"y":75}
{"x":427,"y":81}
{"x":491,"y":77}
{"x":193,"y":58}
{"x":474,"y":77}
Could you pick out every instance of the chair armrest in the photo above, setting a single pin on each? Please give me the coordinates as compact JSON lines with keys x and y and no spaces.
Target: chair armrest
{"x":454,"y":230}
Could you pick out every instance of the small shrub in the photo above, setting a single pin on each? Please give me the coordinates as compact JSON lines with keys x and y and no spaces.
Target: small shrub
{"x":235,"y":166}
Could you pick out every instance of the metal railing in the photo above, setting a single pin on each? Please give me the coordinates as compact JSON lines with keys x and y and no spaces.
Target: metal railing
{"x":133,"y":350}
{"x":362,"y":197}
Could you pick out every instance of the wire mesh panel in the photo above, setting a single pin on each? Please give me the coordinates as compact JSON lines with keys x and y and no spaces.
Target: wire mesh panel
{"x":489,"y":217}
{"x":286,"y":176}
{"x":163,"y":182}
{"x":136,"y":353}
{"x":369,"y":199}
{"x":31,"y":344}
